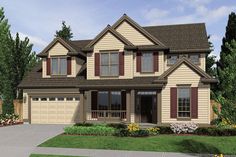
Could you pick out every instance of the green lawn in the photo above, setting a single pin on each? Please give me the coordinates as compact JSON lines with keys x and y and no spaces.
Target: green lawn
{"x":41,"y":155}
{"x":161,"y":143}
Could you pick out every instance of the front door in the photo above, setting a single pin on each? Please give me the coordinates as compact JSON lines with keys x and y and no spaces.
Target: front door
{"x":146,"y":108}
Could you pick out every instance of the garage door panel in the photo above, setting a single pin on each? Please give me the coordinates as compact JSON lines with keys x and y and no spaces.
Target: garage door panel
{"x":53,"y":112}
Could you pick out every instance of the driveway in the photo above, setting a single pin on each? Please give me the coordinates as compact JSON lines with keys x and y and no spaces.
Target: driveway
{"x":21,"y":140}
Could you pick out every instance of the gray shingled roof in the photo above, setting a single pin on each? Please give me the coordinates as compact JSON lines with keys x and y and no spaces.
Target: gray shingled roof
{"x":181,"y":37}
{"x":34,"y":80}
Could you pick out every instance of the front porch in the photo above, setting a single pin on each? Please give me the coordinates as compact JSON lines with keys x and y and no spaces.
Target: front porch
{"x":120,"y":106}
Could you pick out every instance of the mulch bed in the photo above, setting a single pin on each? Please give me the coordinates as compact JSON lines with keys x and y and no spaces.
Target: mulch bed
{"x":17,"y":123}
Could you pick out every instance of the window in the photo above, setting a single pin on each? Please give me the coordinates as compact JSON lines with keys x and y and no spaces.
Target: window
{"x":172,"y":59}
{"x":109,"y":64}
{"x":43,"y":99}
{"x":52,"y":99}
{"x":59,"y":66}
{"x":115,"y":100}
{"x":60,"y":99}
{"x":194,"y":58}
{"x":77,"y":98}
{"x":103,"y":101}
{"x":35,"y":99}
{"x":184,"y":102}
{"x":69,"y":99}
{"x":147,"y":62}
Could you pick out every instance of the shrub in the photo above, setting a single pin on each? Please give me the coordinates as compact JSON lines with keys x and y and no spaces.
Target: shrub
{"x":165,"y":130}
{"x":83,"y":124}
{"x":139,"y":133}
{"x":8,"y":119}
{"x":133,"y":127}
{"x":153,"y":131}
{"x":121,"y":133}
{"x":178,"y":128}
{"x":117,"y":125}
{"x":214,"y":131}
{"x":89,"y":130}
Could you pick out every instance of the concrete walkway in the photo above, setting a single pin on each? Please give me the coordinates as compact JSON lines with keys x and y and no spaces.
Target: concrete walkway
{"x":21,"y":140}
{"x":107,"y":153}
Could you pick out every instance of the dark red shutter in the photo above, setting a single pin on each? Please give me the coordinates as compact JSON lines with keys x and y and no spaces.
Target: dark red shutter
{"x":155,"y":62}
{"x":48,"y":66}
{"x":94,"y":97}
{"x":121,"y":63}
{"x":194,"y":102}
{"x":68,"y":65}
{"x":138,"y":61}
{"x":97,"y":64}
{"x":123,"y":100}
{"x":173,"y":102}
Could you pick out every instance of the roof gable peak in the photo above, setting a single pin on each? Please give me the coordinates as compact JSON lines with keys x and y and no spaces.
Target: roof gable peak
{"x":134,"y":24}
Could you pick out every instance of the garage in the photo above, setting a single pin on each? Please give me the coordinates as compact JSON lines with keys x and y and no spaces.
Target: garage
{"x":54,"y":109}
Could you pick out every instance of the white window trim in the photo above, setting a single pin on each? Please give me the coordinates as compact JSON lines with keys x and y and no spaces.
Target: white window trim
{"x":58,"y":65}
{"x":185,"y":87}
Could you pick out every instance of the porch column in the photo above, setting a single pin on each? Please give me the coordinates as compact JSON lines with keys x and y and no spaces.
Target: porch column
{"x":81,"y":107}
{"x":158,"y":107}
{"x":132,"y":106}
{"x":128,"y":106}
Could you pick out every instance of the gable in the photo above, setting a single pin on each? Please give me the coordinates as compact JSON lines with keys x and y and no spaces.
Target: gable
{"x":108,"y":42}
{"x":58,"y":50}
{"x":132,"y":34}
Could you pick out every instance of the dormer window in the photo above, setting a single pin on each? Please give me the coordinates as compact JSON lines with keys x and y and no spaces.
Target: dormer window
{"x":109,"y":64}
{"x":194,"y":58}
{"x":172,"y":59}
{"x":58,"y":66}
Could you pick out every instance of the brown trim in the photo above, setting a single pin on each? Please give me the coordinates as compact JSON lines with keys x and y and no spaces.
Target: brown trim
{"x":159,"y":107}
{"x":138,"y":28}
{"x":121,"y":63}
{"x":68,"y":65}
{"x":173,"y":102}
{"x":48,"y":62}
{"x":191,"y":50}
{"x":194,"y":102}
{"x":113,"y":32}
{"x":97,"y":64}
{"x":138,"y":61}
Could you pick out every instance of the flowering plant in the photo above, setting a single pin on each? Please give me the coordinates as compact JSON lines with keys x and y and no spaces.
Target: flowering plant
{"x":178,"y":128}
{"x":133,"y":127}
{"x":153,"y":131}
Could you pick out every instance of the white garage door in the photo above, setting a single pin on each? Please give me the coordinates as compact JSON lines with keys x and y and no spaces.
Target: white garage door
{"x":54,"y":110}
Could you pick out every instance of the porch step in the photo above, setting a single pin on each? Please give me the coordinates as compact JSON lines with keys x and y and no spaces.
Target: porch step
{"x":146,"y":125}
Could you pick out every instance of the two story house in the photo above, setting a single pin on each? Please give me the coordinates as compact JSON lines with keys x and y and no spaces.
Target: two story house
{"x":127,"y":73}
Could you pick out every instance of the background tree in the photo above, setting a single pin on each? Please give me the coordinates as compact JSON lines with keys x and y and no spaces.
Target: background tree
{"x":16,"y":59}
{"x":211,"y":60}
{"x":65,"y":32}
{"x":226,"y":65}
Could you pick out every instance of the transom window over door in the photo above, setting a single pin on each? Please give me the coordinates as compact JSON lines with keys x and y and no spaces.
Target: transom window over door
{"x":109,"y":64}
{"x":147,"y":62}
{"x":184,"y":102}
{"x":59,"y":66}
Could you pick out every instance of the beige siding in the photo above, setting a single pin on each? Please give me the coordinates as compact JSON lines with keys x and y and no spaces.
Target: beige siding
{"x":44,"y":69}
{"x":160,"y":62}
{"x":184,"y":75}
{"x":132,"y":34}
{"x":109,"y":42}
{"x":25,"y":106}
{"x":58,"y":50}
{"x":202,"y":64}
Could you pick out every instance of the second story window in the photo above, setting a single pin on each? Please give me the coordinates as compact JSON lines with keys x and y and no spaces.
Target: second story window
{"x":58,"y":66}
{"x":109,"y":64}
{"x":172,"y":59}
{"x":194,"y":58}
{"x":147,"y":62}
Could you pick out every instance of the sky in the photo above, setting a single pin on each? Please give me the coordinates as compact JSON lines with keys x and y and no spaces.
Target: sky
{"x":39,"y":19}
